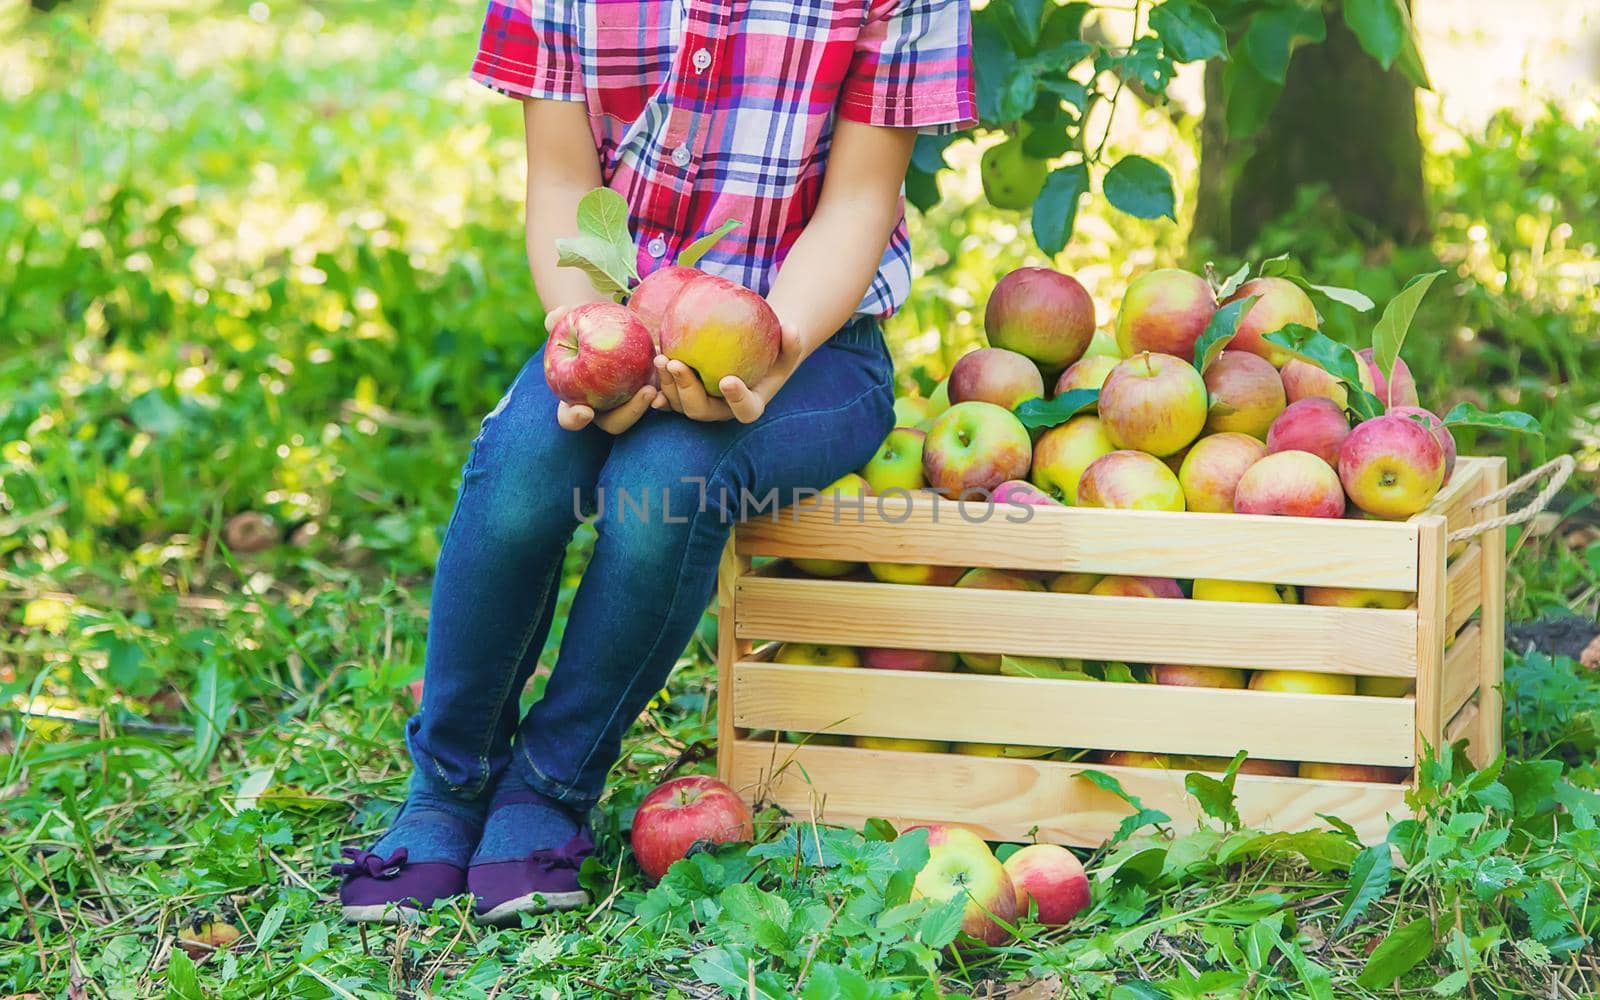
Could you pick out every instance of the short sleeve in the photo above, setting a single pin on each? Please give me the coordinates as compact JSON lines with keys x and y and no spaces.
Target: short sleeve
{"x":912,"y":67}
{"x":529,"y":48}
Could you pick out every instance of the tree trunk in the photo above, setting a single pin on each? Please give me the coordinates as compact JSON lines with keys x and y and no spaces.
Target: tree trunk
{"x":1341,"y":121}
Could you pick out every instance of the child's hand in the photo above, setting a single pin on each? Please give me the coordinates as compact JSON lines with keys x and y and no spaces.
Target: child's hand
{"x":575,"y":417}
{"x":682,"y":390}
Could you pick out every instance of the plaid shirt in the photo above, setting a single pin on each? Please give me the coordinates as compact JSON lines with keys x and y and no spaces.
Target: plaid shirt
{"x":709,"y":110}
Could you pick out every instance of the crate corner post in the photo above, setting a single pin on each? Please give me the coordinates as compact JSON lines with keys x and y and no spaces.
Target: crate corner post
{"x":1492,"y":622}
{"x":729,"y":649}
{"x":1433,"y":599}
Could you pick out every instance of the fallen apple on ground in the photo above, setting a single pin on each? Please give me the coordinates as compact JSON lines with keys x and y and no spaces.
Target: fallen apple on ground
{"x":683,"y":812}
{"x":1154,"y":403}
{"x":1290,"y":484}
{"x":974,"y":447}
{"x":1130,"y":480}
{"x":1041,"y":314}
{"x":1052,"y":878}
{"x":817,"y":655}
{"x":599,"y":355}
{"x":960,"y":865}
{"x":720,"y":328}
{"x":1391,"y":466}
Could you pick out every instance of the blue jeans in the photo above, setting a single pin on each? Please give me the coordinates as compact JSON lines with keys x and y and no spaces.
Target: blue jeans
{"x":664,"y":495}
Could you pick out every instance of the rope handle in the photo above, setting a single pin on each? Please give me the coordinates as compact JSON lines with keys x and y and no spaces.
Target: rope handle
{"x":1558,"y":469}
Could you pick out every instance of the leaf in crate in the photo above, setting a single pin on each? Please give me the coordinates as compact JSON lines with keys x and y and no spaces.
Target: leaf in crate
{"x":1041,"y":666}
{"x":1041,"y":414}
{"x":1390,"y":332}
{"x":1468,"y":415}
{"x":1232,"y":282}
{"x":1369,"y":880}
{"x":1319,"y":349}
{"x":693,"y":252}
{"x":1397,"y":954}
{"x":1219,"y":331}
{"x":1140,"y":187}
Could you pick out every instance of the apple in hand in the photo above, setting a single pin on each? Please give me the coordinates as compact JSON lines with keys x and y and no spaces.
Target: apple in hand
{"x":1279,"y":302}
{"x":1441,"y":433}
{"x":598,"y":356}
{"x":1314,"y":424}
{"x":1400,"y":389}
{"x":817,"y":655}
{"x":992,"y":375}
{"x":1041,"y":314}
{"x":1392,"y":466}
{"x":1302,"y":682}
{"x":1244,"y":592}
{"x":924,"y":660}
{"x":1184,"y":675}
{"x":719,"y":328}
{"x":1064,"y":451}
{"x":1154,"y":403}
{"x":1130,"y":480}
{"x":1164,"y":310}
{"x":1290,"y":484}
{"x":960,"y":866}
{"x":847,"y":485}
{"x":1246,"y":394}
{"x":1086,"y":373}
{"x":1053,"y":878}
{"x":1212,"y":468}
{"x":649,"y":298}
{"x":992,"y":579}
{"x":975,"y":446}
{"x":683,"y":812}
{"x":897,"y":464}
{"x":1302,"y":380}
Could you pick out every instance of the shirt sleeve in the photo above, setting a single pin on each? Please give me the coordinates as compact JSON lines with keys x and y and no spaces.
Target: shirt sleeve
{"x":530,"y":48}
{"x":912,"y":67}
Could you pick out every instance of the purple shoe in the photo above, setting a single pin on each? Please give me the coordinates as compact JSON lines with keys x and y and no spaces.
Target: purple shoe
{"x":378,"y":890}
{"x":543,"y":881}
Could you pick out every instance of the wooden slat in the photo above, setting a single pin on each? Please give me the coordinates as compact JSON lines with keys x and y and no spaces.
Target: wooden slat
{"x":1465,"y":587}
{"x":1131,"y":629}
{"x":1467,"y":483}
{"x":1334,"y":553}
{"x":1084,"y":714}
{"x":1492,"y":622}
{"x":1462,"y":663}
{"x":1465,"y":727}
{"x":1432,"y":606}
{"x":1010,"y":799}
{"x":729,"y":649}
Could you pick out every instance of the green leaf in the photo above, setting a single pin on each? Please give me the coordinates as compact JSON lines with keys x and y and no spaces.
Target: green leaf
{"x":1056,"y":208}
{"x":1390,"y":332}
{"x":1369,"y":880}
{"x":940,"y":925}
{"x":603,"y":248}
{"x":1029,"y":15}
{"x":1319,"y":349}
{"x":1547,"y":914}
{"x":1410,"y":63}
{"x":1039,"y":414}
{"x":183,"y":982}
{"x":928,"y":153}
{"x":1233,"y":281}
{"x":1494,"y":876}
{"x":1188,"y":30}
{"x":1452,"y":984}
{"x":1140,"y":989}
{"x":693,"y":252}
{"x":922,"y":189}
{"x":1381,"y":26}
{"x":1468,"y":415}
{"x":993,"y":61}
{"x":1398,"y":954}
{"x":1273,"y":34}
{"x":1140,"y":187}
{"x":1219,"y":331}
{"x":1248,"y":98}
{"x":1215,"y":796}
{"x":1344,"y":296}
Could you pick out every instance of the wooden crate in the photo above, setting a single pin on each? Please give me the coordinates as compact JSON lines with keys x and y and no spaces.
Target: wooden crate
{"x":1459,"y":604}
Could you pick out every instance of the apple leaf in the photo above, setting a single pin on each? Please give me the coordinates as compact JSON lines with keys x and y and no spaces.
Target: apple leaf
{"x":1344,"y":296}
{"x":1038,"y":666}
{"x":1140,"y":187}
{"x":1369,"y":880}
{"x":693,"y":252}
{"x":1361,"y":404}
{"x":1319,"y":349}
{"x":1233,"y":281}
{"x":1398,"y":954}
{"x":1039,"y":414}
{"x":603,"y":248}
{"x":1189,"y":31}
{"x":1219,"y":331}
{"x":1468,"y":415}
{"x":1055,"y":210}
{"x":1282,"y":266}
{"x":1390,"y":332}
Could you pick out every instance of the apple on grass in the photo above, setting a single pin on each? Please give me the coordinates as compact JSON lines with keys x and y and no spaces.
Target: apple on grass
{"x":1052,"y":878}
{"x":1087,"y":373}
{"x":1212,"y":468}
{"x":992,"y":375}
{"x":901,"y":744}
{"x":897,"y":464}
{"x":598,"y":356}
{"x":1244,"y":592}
{"x":1137,"y":586}
{"x":1279,"y":302}
{"x":974,"y":447}
{"x":1290,"y":484}
{"x":1154,"y":403}
{"x":1063,"y":452}
{"x":1302,"y":682}
{"x":680,"y":813}
{"x":960,"y":866}
{"x":1400,"y":389}
{"x":1246,"y":394}
{"x":817,"y":655}
{"x":1183,"y":675}
{"x":1130,"y":480}
{"x":720,"y":328}
{"x":1042,"y":314}
{"x":926,"y":660}
{"x":1315,"y":424}
{"x":848,"y":485}
{"x":1303,"y":379}
{"x":992,"y":579}
{"x":1356,"y":772}
{"x":1392,"y":466}
{"x":1164,"y":310}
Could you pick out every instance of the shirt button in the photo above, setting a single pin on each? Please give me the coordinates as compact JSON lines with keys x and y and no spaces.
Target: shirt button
{"x":702,"y":59}
{"x":657,"y":248}
{"x":680,"y":156}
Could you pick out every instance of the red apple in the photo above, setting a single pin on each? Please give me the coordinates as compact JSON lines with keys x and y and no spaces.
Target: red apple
{"x":1302,"y":380}
{"x":991,"y":375}
{"x":1130,"y":480}
{"x":1392,"y":466}
{"x":1291,"y":484}
{"x":649,"y":298}
{"x":1154,"y":403}
{"x":975,"y":446}
{"x":1279,"y":302}
{"x":598,"y":356}
{"x":960,"y":866}
{"x":1446,"y":440}
{"x":1211,"y":470}
{"x":1355,"y":772}
{"x":1164,"y":310}
{"x":1064,"y":451}
{"x":1314,"y":424}
{"x":1053,"y":878}
{"x":720,"y":328}
{"x":415,"y":690}
{"x":1184,"y":675}
{"x":1086,"y":373}
{"x":683,"y":812}
{"x":1020,"y":491}
{"x":1402,"y":391}
{"x":1137,"y":586}
{"x":925,"y":660}
{"x":1246,"y":394}
{"x":1042,"y":314}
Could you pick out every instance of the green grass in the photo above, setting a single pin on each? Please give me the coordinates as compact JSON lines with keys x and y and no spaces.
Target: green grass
{"x":274,"y":265}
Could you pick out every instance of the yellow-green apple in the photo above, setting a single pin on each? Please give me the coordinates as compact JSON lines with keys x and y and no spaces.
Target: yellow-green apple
{"x":911,"y":411}
{"x":1154,"y":403}
{"x":1020,"y":491}
{"x":1279,"y":302}
{"x":649,"y":298}
{"x":848,"y":485}
{"x":1315,"y":424}
{"x":1014,"y":750}
{"x":1351,"y":597}
{"x":1102,"y":344}
{"x":817,"y":739}
{"x":1130,"y":480}
{"x":975,"y":446}
{"x":939,"y":398}
{"x":901,"y":744}
{"x":1053,"y":878}
{"x":1137,"y":586}
{"x":1184,"y":675}
{"x":984,"y":578}
{"x":1086,"y":373}
{"x":992,"y":375}
{"x":1064,"y":451}
{"x":1400,"y":389}
{"x":1213,"y":467}
{"x":680,"y":813}
{"x":1302,"y":682}
{"x":1303,"y":379}
{"x":913,"y":573}
{"x":1164,"y":310}
{"x":925,"y":660}
{"x":1041,"y":314}
{"x":960,"y":866}
{"x":897,"y":464}
{"x":1391,"y":466}
{"x":1385,"y":687}
{"x":1441,"y":433}
{"x":1072,"y":583}
{"x":817,"y":655}
{"x":1244,"y":592}
{"x":1246,"y":394}
{"x":720,"y":328}
{"x":598,"y":356}
{"x":1355,"y":772}
{"x":1290,"y":484}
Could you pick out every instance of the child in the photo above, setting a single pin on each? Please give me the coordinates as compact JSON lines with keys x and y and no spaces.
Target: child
{"x":795,"y":117}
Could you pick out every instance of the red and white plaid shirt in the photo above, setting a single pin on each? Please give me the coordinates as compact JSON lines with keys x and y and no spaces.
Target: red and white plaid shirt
{"x":709,"y":110}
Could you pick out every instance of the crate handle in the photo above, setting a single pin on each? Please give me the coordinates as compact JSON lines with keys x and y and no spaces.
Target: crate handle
{"x":1558,"y":469}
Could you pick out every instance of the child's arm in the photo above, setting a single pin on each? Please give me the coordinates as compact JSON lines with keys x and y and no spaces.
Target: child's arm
{"x":825,"y":276}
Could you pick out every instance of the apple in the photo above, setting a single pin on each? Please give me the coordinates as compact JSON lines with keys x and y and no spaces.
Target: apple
{"x":1290,"y":484}
{"x":916,"y":575}
{"x":992,"y":375}
{"x":1246,"y":394}
{"x":939,"y":398}
{"x":1385,"y":687}
{"x":1302,"y":682}
{"x":817,"y":655}
{"x":415,"y":690}
{"x":1086,"y":373}
{"x":817,"y":739}
{"x":960,"y":866}
{"x":720,"y":328}
{"x":1020,"y":491}
{"x":1041,"y":314}
{"x":1402,"y":391}
{"x":1441,"y":433}
{"x":897,"y":464}
{"x":1350,"y":597}
{"x":1053,"y":878}
{"x":1102,"y":345}
{"x":1303,"y":380}
{"x":1130,"y":480}
{"x":1273,"y":768}
{"x":1154,"y":403}
{"x":598,"y":356}
{"x":1137,"y":586}
{"x":1356,"y":772}
{"x":1392,"y":466}
{"x":975,"y":446}
{"x":924,"y":660}
{"x":1015,"y":751}
{"x":1183,"y":675}
{"x":649,"y":298}
{"x":1279,"y":302}
{"x":1164,"y":310}
{"x":1315,"y":424}
{"x":1212,"y":468}
{"x":848,"y":485}
{"x":1242,"y":592}
{"x":1064,"y":451}
{"x":911,"y":411}
{"x":983,"y":578}
{"x":901,"y":744}
{"x":680,"y":813}
{"x":1073,"y":583}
